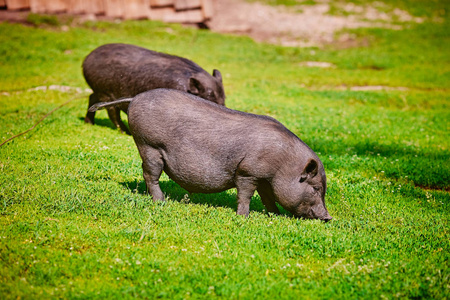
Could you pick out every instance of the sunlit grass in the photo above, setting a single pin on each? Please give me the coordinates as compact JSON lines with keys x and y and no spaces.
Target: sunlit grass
{"x":75,"y":221}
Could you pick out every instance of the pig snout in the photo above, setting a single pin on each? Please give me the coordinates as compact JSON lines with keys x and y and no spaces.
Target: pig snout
{"x":326,"y":218}
{"x":315,"y":212}
{"x":320,"y":213}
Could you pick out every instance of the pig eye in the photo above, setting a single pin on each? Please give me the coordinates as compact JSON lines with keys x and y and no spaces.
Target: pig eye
{"x":316,"y":189}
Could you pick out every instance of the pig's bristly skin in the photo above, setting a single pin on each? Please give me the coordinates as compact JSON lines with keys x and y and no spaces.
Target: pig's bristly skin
{"x":115,"y":71}
{"x":208,"y":148}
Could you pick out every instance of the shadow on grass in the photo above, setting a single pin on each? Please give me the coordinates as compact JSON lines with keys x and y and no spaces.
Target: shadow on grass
{"x":426,"y":169}
{"x":105,"y":123}
{"x":343,"y":147}
{"x":223,"y":199}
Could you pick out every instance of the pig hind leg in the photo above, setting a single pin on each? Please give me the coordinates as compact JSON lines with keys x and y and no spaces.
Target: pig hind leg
{"x":152,"y":167}
{"x":114,"y":115}
{"x":93,"y":99}
{"x":246,"y":187}
{"x":267,"y":197}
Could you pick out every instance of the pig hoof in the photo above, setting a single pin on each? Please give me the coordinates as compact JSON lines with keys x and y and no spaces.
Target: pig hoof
{"x":88,"y":121}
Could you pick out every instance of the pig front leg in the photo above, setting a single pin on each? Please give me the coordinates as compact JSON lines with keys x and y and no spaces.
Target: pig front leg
{"x":152,"y":167}
{"x":246,"y":187}
{"x":267,"y":197}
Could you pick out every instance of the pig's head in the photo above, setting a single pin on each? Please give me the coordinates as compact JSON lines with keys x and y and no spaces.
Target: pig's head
{"x":306,"y":196}
{"x":208,"y":87}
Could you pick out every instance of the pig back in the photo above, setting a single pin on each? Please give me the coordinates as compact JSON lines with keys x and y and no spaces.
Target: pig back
{"x":169,"y":116}
{"x":122,"y":70}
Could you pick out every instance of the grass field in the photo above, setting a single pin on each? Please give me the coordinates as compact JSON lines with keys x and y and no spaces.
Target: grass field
{"x":75,"y":221}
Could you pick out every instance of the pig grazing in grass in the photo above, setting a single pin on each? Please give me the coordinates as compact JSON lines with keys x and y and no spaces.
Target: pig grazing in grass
{"x":208,"y":148}
{"x":115,"y":71}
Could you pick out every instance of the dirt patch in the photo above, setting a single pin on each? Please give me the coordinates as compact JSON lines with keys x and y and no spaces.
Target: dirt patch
{"x":378,"y":88}
{"x":303,"y":25}
{"x":317,"y":64}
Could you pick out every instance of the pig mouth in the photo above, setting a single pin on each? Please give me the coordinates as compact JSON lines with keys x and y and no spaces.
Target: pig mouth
{"x":327,"y":219}
{"x":312,"y":215}
{"x":324,"y":219}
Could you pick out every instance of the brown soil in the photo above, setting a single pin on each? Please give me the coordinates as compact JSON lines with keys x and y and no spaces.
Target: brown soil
{"x":303,"y":25}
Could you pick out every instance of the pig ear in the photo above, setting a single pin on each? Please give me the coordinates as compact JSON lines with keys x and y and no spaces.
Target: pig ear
{"x":310,"y":170}
{"x":195,"y":86}
{"x":217,"y":75}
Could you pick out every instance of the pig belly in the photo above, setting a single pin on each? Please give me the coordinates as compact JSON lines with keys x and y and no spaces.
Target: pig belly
{"x":199,"y":175}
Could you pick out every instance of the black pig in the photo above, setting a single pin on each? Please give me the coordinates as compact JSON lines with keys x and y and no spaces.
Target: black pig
{"x":115,"y":71}
{"x":208,"y":148}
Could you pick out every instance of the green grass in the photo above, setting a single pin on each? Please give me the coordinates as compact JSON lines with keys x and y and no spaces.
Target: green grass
{"x":75,"y":221}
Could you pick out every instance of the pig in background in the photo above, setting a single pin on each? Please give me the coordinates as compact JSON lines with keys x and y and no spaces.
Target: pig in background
{"x":115,"y":71}
{"x":180,"y":134}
